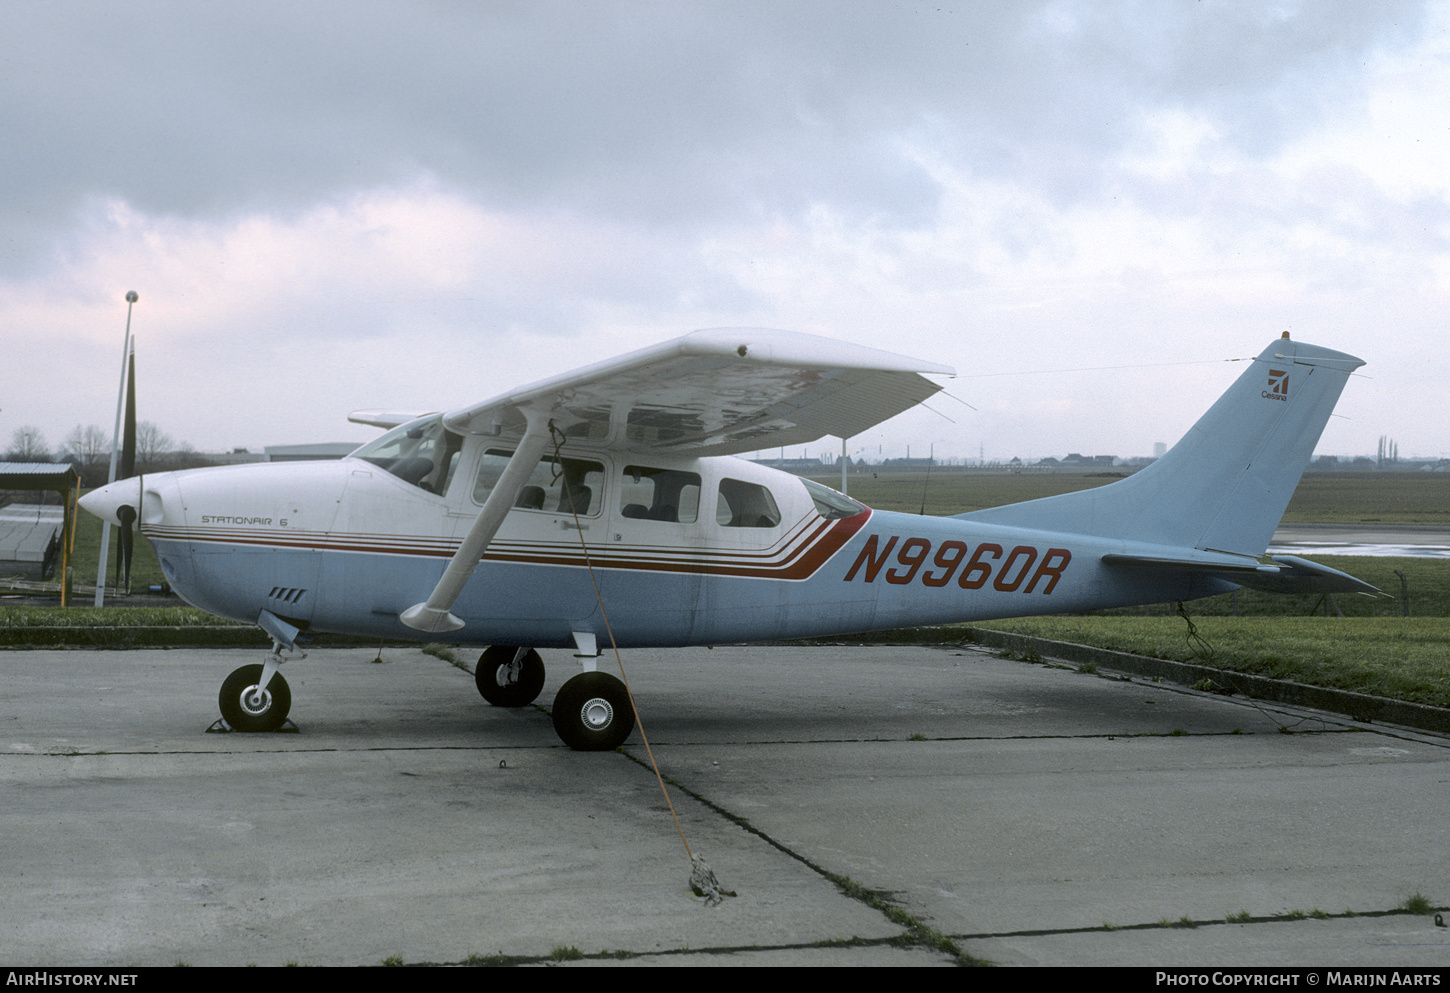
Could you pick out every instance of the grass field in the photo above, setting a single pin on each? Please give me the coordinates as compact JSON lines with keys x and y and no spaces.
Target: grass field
{"x":29,"y":616}
{"x":1321,"y":498}
{"x":1400,"y":658}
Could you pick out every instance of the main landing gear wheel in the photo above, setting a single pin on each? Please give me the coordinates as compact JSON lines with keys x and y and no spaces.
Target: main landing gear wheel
{"x":248,"y":707}
{"x":504,"y":684}
{"x":592,"y":712}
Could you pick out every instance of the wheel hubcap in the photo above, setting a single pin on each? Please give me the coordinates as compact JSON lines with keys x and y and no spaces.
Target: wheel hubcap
{"x":256,"y":701}
{"x":597,"y":714}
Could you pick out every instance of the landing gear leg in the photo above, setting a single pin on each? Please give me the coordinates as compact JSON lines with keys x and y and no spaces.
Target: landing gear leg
{"x":592,"y":712}
{"x":256,"y":697}
{"x":508,"y":676}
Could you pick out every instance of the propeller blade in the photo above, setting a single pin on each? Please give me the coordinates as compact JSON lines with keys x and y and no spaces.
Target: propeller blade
{"x":127,"y":468}
{"x":127,"y":514}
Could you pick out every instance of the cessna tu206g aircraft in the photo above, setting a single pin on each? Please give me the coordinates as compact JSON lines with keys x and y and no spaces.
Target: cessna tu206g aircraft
{"x":604,"y":505}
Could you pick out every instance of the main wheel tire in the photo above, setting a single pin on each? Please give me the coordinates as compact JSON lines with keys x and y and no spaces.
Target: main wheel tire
{"x":492,"y":677}
{"x":247,"y":709}
{"x":592,"y":712}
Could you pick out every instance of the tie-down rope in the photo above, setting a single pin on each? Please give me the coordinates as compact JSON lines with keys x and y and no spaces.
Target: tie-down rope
{"x":702,"y":879}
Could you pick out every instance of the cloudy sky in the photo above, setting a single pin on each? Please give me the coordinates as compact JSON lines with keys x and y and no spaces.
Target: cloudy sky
{"x":1086,"y":207}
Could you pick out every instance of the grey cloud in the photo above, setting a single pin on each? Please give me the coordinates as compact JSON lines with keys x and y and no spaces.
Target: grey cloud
{"x":666,"y":113}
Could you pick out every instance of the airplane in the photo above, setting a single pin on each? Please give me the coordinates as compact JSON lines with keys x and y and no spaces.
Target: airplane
{"x":608,"y":506}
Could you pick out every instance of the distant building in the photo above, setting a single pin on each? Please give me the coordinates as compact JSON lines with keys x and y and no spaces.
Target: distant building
{"x":798,"y":466}
{"x":322,"y":451}
{"x":237,"y":456}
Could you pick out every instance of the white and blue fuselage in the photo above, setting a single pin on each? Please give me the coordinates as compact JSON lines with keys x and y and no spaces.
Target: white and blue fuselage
{"x":304,"y":541}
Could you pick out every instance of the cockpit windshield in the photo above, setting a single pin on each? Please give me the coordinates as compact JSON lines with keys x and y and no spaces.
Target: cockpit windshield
{"x":421,"y":452}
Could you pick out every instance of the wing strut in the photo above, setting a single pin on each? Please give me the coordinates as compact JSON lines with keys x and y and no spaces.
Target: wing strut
{"x":434,"y":614}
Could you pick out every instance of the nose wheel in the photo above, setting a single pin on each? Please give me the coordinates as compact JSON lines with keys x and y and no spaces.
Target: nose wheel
{"x":592,"y":712}
{"x":508,"y":676}
{"x":246,"y":706}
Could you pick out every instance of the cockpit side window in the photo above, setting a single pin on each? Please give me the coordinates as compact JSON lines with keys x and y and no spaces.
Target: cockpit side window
{"x":745,"y":505}
{"x":422,"y":452}
{"x":831,"y":504}
{"x":659,"y":495}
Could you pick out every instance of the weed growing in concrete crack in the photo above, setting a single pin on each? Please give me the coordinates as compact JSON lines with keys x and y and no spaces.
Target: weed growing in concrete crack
{"x":1417,"y":904}
{"x":918,"y":932}
{"x":442,"y":652}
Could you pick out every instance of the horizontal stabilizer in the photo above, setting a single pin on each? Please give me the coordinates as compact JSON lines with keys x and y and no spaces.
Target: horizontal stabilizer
{"x":1298,"y":575}
{"x":1275,"y":574}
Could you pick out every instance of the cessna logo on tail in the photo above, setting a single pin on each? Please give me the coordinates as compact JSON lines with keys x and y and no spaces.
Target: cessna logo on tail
{"x":1278,"y":385}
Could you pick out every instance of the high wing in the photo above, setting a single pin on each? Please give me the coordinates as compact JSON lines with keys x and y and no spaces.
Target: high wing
{"x":386,"y":418}
{"x":717,"y":392}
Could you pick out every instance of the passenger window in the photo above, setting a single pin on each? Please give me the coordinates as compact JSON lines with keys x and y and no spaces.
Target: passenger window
{"x":563,"y":486}
{"x":659,"y":495}
{"x":745,"y":505}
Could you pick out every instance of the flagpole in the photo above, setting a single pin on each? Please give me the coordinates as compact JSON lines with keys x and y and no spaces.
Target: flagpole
{"x":131,"y":299}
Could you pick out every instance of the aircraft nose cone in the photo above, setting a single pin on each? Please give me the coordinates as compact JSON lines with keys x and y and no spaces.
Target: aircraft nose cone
{"x":106,"y":502}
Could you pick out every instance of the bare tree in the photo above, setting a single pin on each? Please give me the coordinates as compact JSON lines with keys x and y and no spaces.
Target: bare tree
{"x":27,"y":444}
{"x":152,"y":444}
{"x":87,"y":445}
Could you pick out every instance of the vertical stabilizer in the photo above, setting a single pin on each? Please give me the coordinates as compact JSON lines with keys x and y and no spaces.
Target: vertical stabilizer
{"x":1226,"y":484}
